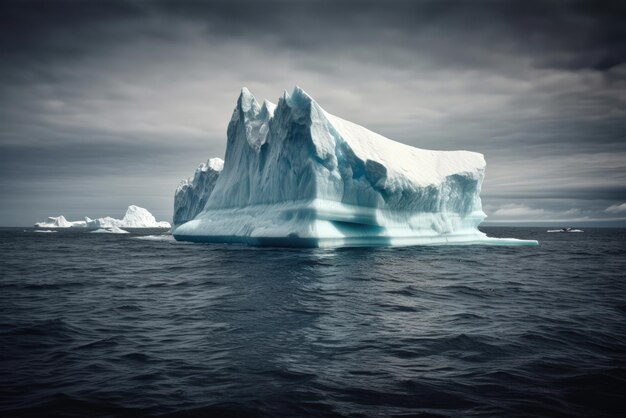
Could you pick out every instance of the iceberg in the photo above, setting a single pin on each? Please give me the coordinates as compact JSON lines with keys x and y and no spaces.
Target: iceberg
{"x":135,"y":217}
{"x":296,"y":175}
{"x":59,"y":222}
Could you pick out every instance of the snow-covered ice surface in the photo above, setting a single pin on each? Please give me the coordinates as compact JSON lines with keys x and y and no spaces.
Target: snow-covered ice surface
{"x":135,"y":217}
{"x":110,"y":230}
{"x":295,"y":175}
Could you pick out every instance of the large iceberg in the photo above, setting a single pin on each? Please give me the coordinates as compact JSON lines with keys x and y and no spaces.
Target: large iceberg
{"x":135,"y":217}
{"x":295,"y":175}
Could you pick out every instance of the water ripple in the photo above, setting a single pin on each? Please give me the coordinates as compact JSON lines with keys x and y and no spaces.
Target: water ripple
{"x":139,"y":325}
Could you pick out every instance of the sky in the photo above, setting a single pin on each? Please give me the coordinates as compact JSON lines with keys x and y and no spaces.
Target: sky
{"x":104,"y":104}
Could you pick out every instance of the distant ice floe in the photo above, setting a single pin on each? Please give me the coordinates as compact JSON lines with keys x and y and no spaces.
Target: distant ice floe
{"x":135,"y":217}
{"x":156,"y":238}
{"x":565,"y":230}
{"x":111,"y":230}
{"x":42,"y":231}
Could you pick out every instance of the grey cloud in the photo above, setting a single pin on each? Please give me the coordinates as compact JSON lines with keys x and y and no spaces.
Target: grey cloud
{"x":555,"y":34}
{"x":132,"y":95}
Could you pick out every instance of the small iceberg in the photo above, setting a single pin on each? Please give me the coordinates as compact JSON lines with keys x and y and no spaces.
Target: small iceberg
{"x":565,"y":230}
{"x":167,"y":237}
{"x":110,"y":230}
{"x":60,"y":222}
{"x":42,"y":231}
{"x":135,"y":217}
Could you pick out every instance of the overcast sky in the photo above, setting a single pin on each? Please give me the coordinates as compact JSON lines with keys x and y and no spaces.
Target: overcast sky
{"x":106,"y":104}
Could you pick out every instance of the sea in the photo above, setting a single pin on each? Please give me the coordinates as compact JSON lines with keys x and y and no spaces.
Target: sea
{"x":141,"y":325}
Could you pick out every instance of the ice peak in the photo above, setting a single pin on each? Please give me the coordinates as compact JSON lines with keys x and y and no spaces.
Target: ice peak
{"x":246,"y":94}
{"x":134,"y":209}
{"x":299,"y":92}
{"x":138,"y":217}
{"x":299,"y":99}
{"x":216,"y":164}
{"x":247,"y":103}
{"x":267,"y":110}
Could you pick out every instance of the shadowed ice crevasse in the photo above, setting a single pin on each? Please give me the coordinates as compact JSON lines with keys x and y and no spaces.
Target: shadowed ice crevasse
{"x":295,"y":175}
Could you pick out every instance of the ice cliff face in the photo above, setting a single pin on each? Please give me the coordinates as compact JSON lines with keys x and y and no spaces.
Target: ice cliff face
{"x":294,"y":174}
{"x":192,"y":194}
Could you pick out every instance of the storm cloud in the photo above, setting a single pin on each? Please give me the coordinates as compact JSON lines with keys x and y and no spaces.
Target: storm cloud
{"x":104,"y":104}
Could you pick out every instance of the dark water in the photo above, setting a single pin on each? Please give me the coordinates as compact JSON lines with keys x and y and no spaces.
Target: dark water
{"x":96,"y":324}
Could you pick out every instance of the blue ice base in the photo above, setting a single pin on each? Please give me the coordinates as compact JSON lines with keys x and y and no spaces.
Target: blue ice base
{"x":323,"y":223}
{"x":375,"y":241}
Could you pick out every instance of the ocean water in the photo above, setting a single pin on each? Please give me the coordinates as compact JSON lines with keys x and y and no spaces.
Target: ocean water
{"x":135,"y":325}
